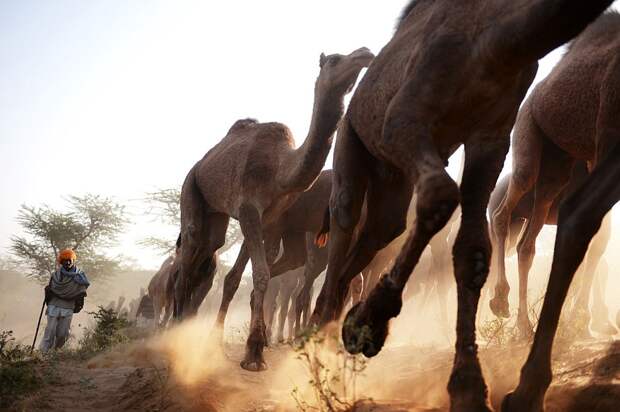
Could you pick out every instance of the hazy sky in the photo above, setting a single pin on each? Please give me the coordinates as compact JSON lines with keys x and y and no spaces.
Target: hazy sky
{"x":122,"y":97}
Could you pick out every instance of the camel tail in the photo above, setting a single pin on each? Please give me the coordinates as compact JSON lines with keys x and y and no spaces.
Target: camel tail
{"x":322,"y":237}
{"x":544,"y":26}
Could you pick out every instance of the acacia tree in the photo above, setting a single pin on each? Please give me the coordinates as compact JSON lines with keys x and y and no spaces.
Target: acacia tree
{"x":164,"y":206}
{"x":90,"y":224}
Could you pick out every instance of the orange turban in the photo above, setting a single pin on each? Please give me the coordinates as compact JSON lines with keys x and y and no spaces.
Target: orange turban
{"x":66,"y":254}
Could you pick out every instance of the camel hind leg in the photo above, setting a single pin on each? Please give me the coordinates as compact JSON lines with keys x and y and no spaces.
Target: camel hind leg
{"x":410,"y":147}
{"x":555,"y":170}
{"x":231,"y":284}
{"x":579,"y":219}
{"x":315,"y":264}
{"x":288,"y":285}
{"x":197,"y":260}
{"x":351,"y":162}
{"x":590,"y":285}
{"x":387,"y":202}
{"x":526,"y":153}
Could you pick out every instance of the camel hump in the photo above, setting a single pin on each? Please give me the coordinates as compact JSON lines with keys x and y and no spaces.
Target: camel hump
{"x":242,"y":124}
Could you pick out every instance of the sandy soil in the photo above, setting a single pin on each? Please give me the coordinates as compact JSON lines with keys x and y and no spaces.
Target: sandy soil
{"x":164,"y":374}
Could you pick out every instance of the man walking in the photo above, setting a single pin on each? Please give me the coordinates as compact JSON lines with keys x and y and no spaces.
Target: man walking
{"x":64,"y":296}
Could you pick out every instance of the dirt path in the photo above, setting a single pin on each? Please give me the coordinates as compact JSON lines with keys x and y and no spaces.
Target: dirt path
{"x":403,"y":379}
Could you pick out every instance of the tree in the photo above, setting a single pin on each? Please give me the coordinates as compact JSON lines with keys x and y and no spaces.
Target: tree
{"x":164,"y":206}
{"x":90,"y":224}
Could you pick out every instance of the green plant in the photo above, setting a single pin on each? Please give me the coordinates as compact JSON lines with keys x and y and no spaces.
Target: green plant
{"x":333,"y":373}
{"x":18,"y":374}
{"x":108,"y":331}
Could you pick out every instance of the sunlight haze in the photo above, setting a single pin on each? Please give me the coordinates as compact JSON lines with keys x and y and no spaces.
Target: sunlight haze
{"x":120,"y":98}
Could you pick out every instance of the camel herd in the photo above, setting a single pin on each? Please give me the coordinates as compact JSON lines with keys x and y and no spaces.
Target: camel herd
{"x":454,"y":74}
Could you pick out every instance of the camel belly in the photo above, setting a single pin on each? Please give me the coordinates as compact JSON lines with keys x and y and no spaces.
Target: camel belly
{"x":565,"y":108}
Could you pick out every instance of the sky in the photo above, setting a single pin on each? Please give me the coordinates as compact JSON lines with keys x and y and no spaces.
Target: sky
{"x":120,"y":98}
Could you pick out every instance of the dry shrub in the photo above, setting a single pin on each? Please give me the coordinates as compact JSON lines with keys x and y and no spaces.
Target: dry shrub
{"x":333,"y":373}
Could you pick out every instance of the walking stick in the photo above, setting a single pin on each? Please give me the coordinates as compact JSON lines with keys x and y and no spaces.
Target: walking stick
{"x":38,"y":324}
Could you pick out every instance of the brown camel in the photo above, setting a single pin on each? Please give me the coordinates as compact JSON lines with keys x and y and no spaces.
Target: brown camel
{"x":253,"y":175}
{"x":569,"y":116}
{"x":522,"y":213}
{"x":295,"y":229}
{"x":454,"y":73}
{"x":158,"y":292}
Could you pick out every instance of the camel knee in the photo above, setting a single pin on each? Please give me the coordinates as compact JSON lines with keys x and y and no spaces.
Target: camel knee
{"x":522,"y":179}
{"x":500,"y":223}
{"x":471,"y":255}
{"x":526,"y":248}
{"x":438,"y":198}
{"x":344,"y":209}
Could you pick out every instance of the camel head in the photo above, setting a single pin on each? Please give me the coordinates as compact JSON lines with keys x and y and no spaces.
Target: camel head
{"x":339,"y":72}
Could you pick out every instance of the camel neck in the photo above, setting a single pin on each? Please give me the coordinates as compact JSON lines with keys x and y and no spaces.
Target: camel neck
{"x":307,"y":161}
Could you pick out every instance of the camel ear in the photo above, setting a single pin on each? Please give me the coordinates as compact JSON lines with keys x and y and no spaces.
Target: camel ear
{"x":322,"y":60}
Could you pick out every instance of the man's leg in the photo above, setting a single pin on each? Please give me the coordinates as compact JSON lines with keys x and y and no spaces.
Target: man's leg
{"x":62,"y":330}
{"x":50,"y":333}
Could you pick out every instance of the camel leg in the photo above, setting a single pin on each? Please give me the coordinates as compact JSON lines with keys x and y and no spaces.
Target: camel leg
{"x":351,"y":168}
{"x":157,"y":306}
{"x":270,"y":305}
{"x":386,"y":218}
{"x":579,"y":219}
{"x":315,"y":264}
{"x":288,"y":284}
{"x":231,"y":284}
{"x":600,"y":312}
{"x":554,"y":174}
{"x":291,"y":317}
{"x":250,"y":221}
{"x":208,"y":269}
{"x":196,"y":253}
{"x":440,"y":262}
{"x":581,"y":311}
{"x":167,"y":314}
{"x":527,"y":149}
{"x":356,"y":288}
{"x":408,"y":144}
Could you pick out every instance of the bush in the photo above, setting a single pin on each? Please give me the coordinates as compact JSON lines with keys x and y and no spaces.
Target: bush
{"x":108,"y":331}
{"x":18,"y":375}
{"x":333,"y":373}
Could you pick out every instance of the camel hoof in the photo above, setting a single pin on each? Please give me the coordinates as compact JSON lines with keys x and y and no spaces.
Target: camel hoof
{"x":466,"y":386}
{"x":365,"y":327}
{"x":359,"y":336}
{"x":499,"y":306}
{"x":350,"y":337}
{"x":253,"y":366}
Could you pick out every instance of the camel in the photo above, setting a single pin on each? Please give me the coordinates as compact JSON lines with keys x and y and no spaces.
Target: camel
{"x":453,"y":73}
{"x":569,"y":116}
{"x":158,"y":292}
{"x":295,"y":229}
{"x":522,"y":213}
{"x":253,"y":175}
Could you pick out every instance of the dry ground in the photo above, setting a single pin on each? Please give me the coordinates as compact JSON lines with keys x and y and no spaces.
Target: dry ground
{"x":168,"y":374}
